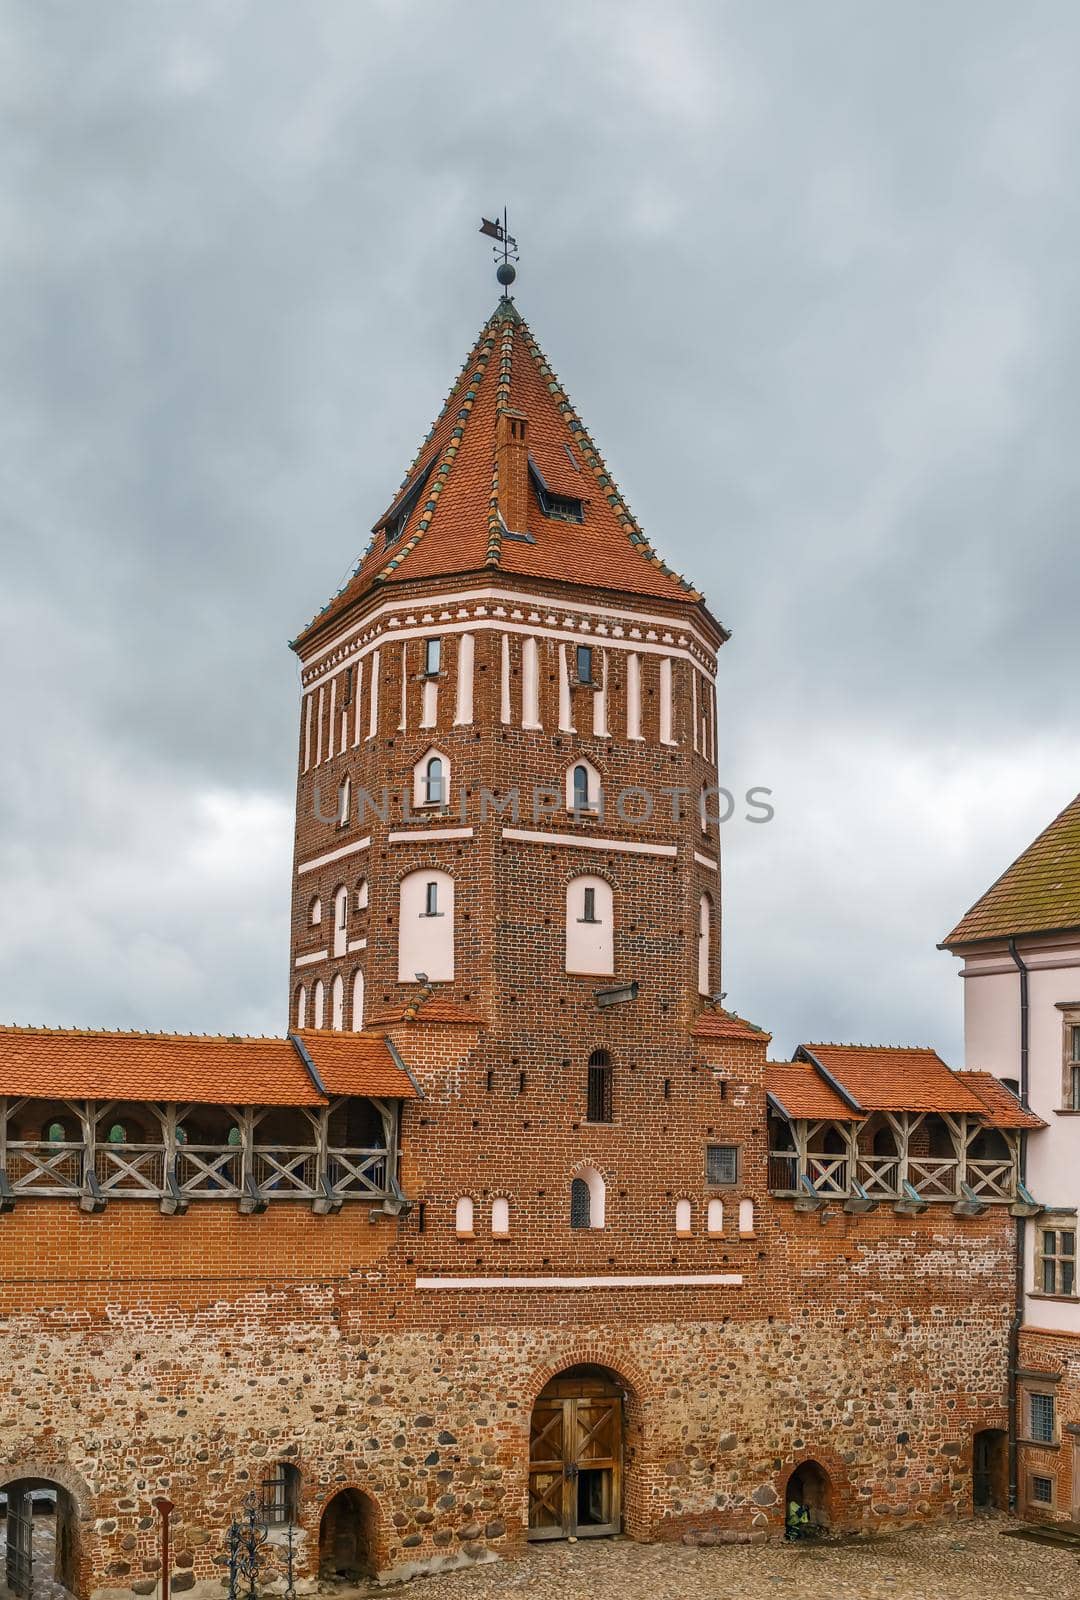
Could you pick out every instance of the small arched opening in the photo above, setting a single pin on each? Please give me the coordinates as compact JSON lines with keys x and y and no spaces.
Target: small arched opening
{"x":348,"y":1538}
{"x":577,"y":1440}
{"x":41,"y":1537}
{"x":807,"y":1501}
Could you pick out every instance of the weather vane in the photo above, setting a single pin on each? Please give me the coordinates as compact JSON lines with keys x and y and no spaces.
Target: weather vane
{"x":505,"y":250}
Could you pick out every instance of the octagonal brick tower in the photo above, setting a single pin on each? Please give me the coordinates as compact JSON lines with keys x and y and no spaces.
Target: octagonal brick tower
{"x":510,"y":631}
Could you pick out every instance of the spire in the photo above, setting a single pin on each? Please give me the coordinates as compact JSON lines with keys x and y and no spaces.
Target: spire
{"x":508,"y":478}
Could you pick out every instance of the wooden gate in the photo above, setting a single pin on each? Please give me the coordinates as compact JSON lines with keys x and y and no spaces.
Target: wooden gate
{"x":19,"y":1551}
{"x":575,"y":1459}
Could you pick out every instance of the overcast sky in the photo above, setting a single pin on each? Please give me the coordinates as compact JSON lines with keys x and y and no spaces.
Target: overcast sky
{"x":808,"y":270}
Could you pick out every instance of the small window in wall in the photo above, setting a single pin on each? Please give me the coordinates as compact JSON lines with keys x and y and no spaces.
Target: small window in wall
{"x":1042,"y":1491}
{"x":281,"y":1494}
{"x":463,"y":1216}
{"x":583,"y":788}
{"x":432,"y":655}
{"x":362,"y":895}
{"x":587,"y":1199}
{"x":431,"y":899}
{"x":1042,"y":1420}
{"x":716,"y":1216}
{"x":1072,"y":1077}
{"x":54,"y":1133}
{"x":746,"y":1217}
{"x":588,"y":907}
{"x":1056,"y":1264}
{"x":590,"y":926}
{"x":721,"y":1163}
{"x":117,"y":1134}
{"x":315,"y":912}
{"x":599,"y":1087}
{"x":684,"y":1216}
{"x":341,"y":920}
{"x":431,"y":780}
{"x":584,"y":663}
{"x":500,"y":1217}
{"x":426,"y":936}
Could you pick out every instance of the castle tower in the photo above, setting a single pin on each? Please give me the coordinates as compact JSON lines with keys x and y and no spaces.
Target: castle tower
{"x":507,"y":723}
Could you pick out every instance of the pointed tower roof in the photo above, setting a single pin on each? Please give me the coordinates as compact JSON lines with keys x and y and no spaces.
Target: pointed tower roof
{"x":452,"y":515}
{"x":1039,"y":893}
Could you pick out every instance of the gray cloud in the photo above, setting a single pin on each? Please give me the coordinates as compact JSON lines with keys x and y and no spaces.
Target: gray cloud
{"x":808,"y":271}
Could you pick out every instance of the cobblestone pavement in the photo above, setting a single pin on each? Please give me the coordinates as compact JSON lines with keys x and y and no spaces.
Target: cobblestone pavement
{"x":967,"y":1561}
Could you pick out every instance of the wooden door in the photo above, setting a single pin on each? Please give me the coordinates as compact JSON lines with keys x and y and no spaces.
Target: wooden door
{"x":575,"y":1467}
{"x":19,"y":1554}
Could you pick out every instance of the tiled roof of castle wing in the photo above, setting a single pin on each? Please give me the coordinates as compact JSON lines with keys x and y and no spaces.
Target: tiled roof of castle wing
{"x":1003,"y":1109}
{"x":800,"y":1090}
{"x":454,"y":525}
{"x":1038,"y":893}
{"x":80,"y":1064}
{"x":894,"y":1077}
{"x":357,"y":1063}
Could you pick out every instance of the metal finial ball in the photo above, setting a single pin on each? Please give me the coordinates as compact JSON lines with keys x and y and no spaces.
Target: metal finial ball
{"x":506,"y":273}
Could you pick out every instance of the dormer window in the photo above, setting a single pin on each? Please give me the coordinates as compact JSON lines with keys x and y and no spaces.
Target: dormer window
{"x":432,"y":654}
{"x":584,"y":663}
{"x":393,"y":524}
{"x":561,"y":507}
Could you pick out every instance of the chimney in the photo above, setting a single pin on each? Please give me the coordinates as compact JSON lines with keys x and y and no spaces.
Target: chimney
{"x":512,"y":461}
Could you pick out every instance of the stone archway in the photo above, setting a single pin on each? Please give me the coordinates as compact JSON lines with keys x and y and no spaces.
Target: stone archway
{"x":348,"y":1537}
{"x":810,"y":1487}
{"x":576,"y":1455}
{"x":41,"y":1547}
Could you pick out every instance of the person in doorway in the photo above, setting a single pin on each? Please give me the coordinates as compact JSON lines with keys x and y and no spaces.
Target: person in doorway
{"x":797,"y":1522}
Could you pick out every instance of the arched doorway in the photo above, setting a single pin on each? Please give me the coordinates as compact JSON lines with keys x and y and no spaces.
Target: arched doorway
{"x":990,"y":1470}
{"x":347,"y":1537}
{"x":808,"y":1488}
{"x":41,"y":1541}
{"x":575,"y":1456}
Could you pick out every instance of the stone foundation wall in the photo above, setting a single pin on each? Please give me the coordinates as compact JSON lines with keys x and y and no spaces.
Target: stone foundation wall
{"x":884,"y":1355}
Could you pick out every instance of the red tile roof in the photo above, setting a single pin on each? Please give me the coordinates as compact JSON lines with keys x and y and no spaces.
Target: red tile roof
{"x":803,"y":1093}
{"x":726,"y":1025}
{"x":357,"y":1063}
{"x":1039,"y":893}
{"x":454,"y":526}
{"x":80,"y":1064}
{"x":433,"y":1009}
{"x":1003,"y":1109}
{"x":894,"y":1077}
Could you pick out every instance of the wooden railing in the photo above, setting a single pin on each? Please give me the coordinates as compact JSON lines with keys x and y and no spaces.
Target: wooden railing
{"x":882,"y":1177}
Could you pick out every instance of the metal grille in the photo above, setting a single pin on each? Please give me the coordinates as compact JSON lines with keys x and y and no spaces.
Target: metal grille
{"x":579,"y":1204}
{"x":722,"y":1163}
{"x":599,"y":1096}
{"x":1042,"y":1491}
{"x":1042,"y":1418}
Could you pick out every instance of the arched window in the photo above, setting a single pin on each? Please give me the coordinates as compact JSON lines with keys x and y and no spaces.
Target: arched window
{"x":55,"y":1133}
{"x":704,"y":944}
{"x":431,"y":780}
{"x":341,"y":920}
{"x":362,"y":895}
{"x":426,"y":938}
{"x":500,"y":1217}
{"x":582,"y":788}
{"x":315,"y":912}
{"x":337,"y":1003}
{"x":320,"y":1002}
{"x":599,"y":1087}
{"x":590,"y":926}
{"x":587,"y":1199}
{"x":683,"y":1217}
{"x":117,"y":1134}
{"x":344,"y":797}
{"x":301,"y":1007}
{"x":463,"y":1216}
{"x":358,"y":1000}
{"x":716,"y":1216}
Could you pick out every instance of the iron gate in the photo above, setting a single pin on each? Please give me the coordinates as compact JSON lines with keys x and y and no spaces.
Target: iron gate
{"x":19,"y":1551}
